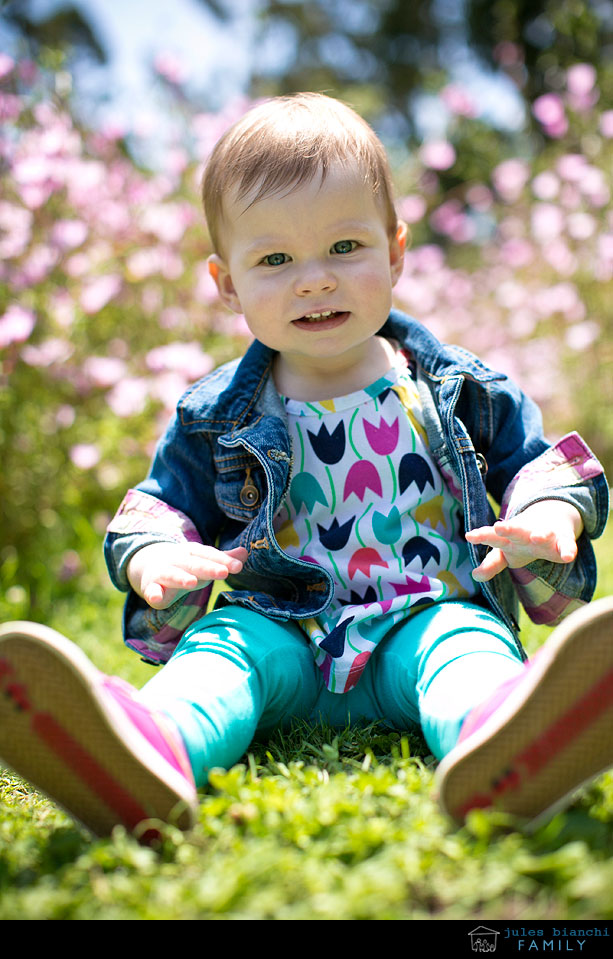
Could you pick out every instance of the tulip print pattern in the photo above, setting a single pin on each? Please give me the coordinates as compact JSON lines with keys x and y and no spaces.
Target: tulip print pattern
{"x":368,"y":502}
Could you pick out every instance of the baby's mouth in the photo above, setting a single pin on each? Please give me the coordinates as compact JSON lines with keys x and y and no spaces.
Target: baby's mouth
{"x":318,"y":317}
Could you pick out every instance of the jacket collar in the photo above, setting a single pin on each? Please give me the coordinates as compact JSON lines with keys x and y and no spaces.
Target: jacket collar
{"x":240,"y":393}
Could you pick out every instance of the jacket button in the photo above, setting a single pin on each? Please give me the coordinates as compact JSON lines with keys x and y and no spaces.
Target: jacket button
{"x":249,"y":495}
{"x":482,"y":464}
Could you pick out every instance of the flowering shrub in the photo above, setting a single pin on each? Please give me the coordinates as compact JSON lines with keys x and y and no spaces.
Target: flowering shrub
{"x":107,"y":310}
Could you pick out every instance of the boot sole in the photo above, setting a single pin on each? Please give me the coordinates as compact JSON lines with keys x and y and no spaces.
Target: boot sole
{"x":553,"y":733}
{"x":60,"y":731}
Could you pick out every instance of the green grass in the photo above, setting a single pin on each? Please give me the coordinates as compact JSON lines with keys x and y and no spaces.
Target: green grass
{"x":311,"y":825}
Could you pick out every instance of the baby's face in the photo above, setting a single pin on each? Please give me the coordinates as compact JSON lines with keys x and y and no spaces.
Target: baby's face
{"x":312,"y":271}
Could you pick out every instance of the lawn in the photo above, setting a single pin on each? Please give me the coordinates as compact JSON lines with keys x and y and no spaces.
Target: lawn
{"x":312,"y":825}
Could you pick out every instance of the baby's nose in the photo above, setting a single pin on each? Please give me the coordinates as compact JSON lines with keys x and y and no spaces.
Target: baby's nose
{"x":315,"y":279}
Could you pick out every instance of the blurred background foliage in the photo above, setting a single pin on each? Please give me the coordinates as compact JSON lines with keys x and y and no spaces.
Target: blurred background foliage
{"x":106,"y":309}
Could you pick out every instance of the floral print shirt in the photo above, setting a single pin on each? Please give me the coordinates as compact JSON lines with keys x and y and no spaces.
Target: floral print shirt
{"x":368,"y":502}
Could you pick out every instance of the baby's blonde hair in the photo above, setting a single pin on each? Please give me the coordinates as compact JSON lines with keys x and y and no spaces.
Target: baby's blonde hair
{"x":287,"y":141}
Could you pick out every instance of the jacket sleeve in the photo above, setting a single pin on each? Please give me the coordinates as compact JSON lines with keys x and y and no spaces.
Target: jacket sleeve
{"x":570,"y":472}
{"x":181,"y":473}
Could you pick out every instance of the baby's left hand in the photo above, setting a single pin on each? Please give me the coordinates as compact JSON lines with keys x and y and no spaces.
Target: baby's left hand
{"x":546,"y":530}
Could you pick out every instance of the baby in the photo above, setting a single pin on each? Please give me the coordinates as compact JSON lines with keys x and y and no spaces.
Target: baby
{"x":336,"y":478}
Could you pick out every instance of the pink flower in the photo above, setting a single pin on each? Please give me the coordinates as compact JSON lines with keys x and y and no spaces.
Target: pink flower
{"x":104,"y":371}
{"x":69,"y":233}
{"x":580,"y":78}
{"x":412,"y":208}
{"x":171,"y":67}
{"x":549,"y":111}
{"x":167,"y":221}
{"x":580,"y":82}
{"x":185,"y":358}
{"x":510,"y":177}
{"x":85,"y":455}
{"x":129,"y":396}
{"x":50,"y":351}
{"x":98,"y":292}
{"x":362,"y":476}
{"x":606,"y":124}
{"x":458,"y":101}
{"x":572,"y":166}
{"x":6,"y":64}
{"x":10,"y":106}
{"x":16,"y":325}
{"x":363,"y":559}
{"x":546,"y":185}
{"x":547,"y":222}
{"x":383,"y":438}
{"x":438,"y":155}
{"x":582,"y":336}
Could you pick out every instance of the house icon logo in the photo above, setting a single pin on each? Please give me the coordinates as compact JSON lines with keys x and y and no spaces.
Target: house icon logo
{"x":483,"y":939}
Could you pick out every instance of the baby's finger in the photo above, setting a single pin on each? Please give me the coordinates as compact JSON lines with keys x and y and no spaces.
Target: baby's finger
{"x":493,"y":564}
{"x":487,"y":536}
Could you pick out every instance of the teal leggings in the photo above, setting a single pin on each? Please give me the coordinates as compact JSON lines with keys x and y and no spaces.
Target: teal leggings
{"x":236,"y":674}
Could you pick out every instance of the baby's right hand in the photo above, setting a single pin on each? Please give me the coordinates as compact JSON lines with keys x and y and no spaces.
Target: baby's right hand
{"x":162,"y":571}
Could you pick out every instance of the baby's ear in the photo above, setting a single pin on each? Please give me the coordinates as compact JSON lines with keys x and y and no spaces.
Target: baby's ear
{"x":398,"y":245}
{"x":223,"y":281}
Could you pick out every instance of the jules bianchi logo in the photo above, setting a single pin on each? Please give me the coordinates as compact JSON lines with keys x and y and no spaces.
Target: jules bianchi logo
{"x":483,"y":939}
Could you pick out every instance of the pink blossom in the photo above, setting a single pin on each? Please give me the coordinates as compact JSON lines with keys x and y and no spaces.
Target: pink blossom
{"x":594,"y":186}
{"x":549,"y":111}
{"x":47,"y":353}
{"x":412,"y":208}
{"x":572,"y":166}
{"x":27,"y":70}
{"x":547,"y":222}
{"x":167,"y":221}
{"x":65,"y":416}
{"x":39,"y":263}
{"x":99,"y":291}
{"x":605,"y":247}
{"x":85,"y":455}
{"x":69,"y":233}
{"x":185,"y":358}
{"x":6,"y":64}
{"x":416,"y":295}
{"x":458,"y":101}
{"x":428,"y":258}
{"x":560,"y":257}
{"x":15,"y":230}
{"x":10,"y":106}
{"x":61,"y":307}
{"x":168,"y":389}
{"x":129,"y":396}
{"x":16,"y":325}
{"x":580,"y":81}
{"x":438,"y":155}
{"x":580,"y":78}
{"x":606,"y":123}
{"x":479,"y":197}
{"x":546,"y":185}
{"x":581,"y":226}
{"x":582,"y":336}
{"x":510,"y":177}
{"x":171,"y":67}
{"x":104,"y":371}
{"x":205,"y":290}
{"x":171,"y":317}
{"x":516,"y":252}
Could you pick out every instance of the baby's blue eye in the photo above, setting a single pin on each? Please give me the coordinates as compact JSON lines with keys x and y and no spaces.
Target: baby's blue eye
{"x":276,"y":259}
{"x":344,"y":246}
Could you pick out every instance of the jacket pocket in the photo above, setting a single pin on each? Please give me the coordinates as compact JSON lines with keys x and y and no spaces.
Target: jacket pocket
{"x":240,"y":485}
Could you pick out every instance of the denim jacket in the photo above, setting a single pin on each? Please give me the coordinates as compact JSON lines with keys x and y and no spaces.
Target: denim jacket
{"x":223,"y":467}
